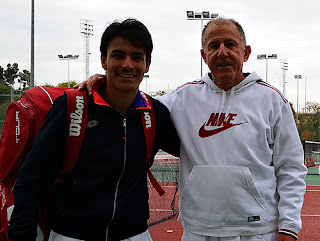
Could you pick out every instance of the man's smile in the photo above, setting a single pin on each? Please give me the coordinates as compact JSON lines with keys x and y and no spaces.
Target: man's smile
{"x":224,"y":64}
{"x":127,"y":75}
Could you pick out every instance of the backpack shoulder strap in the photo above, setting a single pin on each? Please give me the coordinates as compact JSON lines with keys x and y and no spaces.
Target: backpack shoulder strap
{"x":77,"y":114}
{"x":148,"y":120}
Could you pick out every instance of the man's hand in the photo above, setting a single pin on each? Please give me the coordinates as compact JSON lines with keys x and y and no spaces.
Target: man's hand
{"x":285,"y":237}
{"x":89,"y":83}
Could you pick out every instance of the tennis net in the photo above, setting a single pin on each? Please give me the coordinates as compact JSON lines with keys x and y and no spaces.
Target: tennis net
{"x":166,"y":170}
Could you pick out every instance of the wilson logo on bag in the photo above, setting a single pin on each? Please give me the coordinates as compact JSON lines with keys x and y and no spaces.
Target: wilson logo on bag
{"x":23,"y":121}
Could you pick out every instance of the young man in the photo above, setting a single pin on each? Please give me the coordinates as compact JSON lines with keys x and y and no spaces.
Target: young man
{"x":241,"y":160}
{"x":105,"y":197}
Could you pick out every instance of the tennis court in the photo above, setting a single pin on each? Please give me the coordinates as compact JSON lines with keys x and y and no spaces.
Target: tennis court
{"x":311,"y":210}
{"x":171,"y":229}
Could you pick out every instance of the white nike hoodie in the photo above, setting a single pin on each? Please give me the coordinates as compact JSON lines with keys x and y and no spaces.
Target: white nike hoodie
{"x":242,"y":166}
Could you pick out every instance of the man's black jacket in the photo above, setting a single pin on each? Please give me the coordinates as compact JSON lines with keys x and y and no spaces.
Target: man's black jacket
{"x":106,"y":193}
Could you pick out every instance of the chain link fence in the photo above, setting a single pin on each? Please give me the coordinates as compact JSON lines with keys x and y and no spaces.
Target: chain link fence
{"x":5,"y":100}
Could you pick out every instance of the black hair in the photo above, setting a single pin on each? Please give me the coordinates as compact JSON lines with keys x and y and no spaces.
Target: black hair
{"x":130,"y":29}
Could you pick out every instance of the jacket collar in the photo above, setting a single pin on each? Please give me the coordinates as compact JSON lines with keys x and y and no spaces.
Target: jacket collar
{"x":138,"y":103}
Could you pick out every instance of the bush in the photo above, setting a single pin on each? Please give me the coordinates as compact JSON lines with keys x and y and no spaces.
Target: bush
{"x":3,"y":111}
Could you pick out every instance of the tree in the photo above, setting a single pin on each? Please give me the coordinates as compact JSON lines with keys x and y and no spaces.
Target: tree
{"x":4,"y":90}
{"x":11,"y":74}
{"x":313,"y":109}
{"x":4,"y":102}
{"x":24,"y":79}
{"x":293,"y":111}
{"x":159,"y":92}
{"x":307,"y":135}
{"x":65,"y":84}
{"x":309,"y":122}
{"x":48,"y":85}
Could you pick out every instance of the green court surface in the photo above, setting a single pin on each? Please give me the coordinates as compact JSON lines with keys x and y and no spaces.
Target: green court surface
{"x":166,"y":173}
{"x":313,"y":180}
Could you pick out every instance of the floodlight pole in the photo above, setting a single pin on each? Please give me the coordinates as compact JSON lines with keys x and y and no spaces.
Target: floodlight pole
{"x":201,"y":59}
{"x":32,"y":46}
{"x":205,"y":15}
{"x":11,"y":93}
{"x":297,"y":77}
{"x":305,"y":95}
{"x":146,"y":77}
{"x":284,"y":67}
{"x":266,"y":57}
{"x":68,"y":58}
{"x":86,"y":29}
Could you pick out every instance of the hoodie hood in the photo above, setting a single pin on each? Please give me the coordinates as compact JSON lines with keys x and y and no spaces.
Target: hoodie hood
{"x":248,"y":81}
{"x":227,"y":96}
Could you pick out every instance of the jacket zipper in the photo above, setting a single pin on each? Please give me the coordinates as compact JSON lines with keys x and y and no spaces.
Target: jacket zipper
{"x":124,"y":125}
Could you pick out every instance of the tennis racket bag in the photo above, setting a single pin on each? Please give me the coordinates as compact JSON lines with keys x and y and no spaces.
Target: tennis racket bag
{"x":23,"y":121}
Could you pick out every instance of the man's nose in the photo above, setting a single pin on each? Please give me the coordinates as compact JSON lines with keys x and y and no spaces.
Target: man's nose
{"x":127,"y":63}
{"x":223,"y":52}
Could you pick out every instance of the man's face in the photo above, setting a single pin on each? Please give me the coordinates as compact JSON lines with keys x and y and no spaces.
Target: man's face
{"x":224,"y":54}
{"x":125,"y":65}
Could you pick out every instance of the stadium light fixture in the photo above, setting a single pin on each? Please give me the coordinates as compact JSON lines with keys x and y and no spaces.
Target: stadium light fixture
{"x":68,"y":58}
{"x":266,"y":57}
{"x":204,"y":15}
{"x":198,"y":15}
{"x":190,"y":14}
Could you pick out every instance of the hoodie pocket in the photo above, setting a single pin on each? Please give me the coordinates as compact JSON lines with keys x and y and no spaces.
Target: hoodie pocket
{"x":215,"y":195}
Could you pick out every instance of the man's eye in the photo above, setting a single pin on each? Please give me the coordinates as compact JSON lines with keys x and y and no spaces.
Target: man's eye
{"x":117,"y":56}
{"x":230,"y":45}
{"x":137,"y":58}
{"x":214,"y":46}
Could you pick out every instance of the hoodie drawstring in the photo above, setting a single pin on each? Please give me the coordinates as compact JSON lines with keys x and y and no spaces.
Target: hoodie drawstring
{"x":230,"y":101}
{"x":224,"y":95}
{"x":223,"y":101}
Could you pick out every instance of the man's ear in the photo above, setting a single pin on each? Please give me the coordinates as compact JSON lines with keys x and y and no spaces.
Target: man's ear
{"x":203,"y":55}
{"x":104,"y":62}
{"x":247,"y":52}
{"x":147,"y":66}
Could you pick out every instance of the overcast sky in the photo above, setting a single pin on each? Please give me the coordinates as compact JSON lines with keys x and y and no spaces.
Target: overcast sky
{"x":288,"y":28}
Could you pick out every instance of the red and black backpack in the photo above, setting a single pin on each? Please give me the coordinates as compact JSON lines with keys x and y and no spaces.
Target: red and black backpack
{"x":23,"y":121}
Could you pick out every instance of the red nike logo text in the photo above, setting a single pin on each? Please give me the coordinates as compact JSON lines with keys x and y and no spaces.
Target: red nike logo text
{"x":217,"y":120}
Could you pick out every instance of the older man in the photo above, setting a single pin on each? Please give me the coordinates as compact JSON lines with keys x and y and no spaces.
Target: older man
{"x":242,"y":171}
